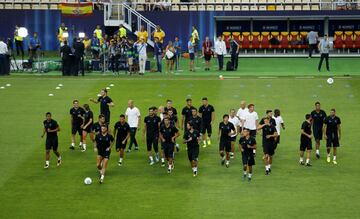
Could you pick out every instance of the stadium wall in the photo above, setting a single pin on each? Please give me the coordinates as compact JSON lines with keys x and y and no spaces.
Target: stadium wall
{"x":211,"y":23}
{"x":46,"y":23}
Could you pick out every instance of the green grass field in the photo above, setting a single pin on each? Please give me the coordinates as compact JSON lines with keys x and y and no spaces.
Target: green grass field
{"x":137,"y":190}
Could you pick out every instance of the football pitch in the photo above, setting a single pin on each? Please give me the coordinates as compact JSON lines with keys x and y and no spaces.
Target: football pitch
{"x":138,"y":190}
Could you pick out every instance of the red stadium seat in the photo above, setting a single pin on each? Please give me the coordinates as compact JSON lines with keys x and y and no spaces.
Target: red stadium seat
{"x":284,"y":40}
{"x":303,"y":40}
{"x":294,"y":39}
{"x":275,"y":35}
{"x":349,"y":39}
{"x":226,"y":37}
{"x":357,"y":40}
{"x":245,"y":40}
{"x":265,"y":40}
{"x":255,"y":40}
{"x":338,"y":40}
{"x":236,"y":37}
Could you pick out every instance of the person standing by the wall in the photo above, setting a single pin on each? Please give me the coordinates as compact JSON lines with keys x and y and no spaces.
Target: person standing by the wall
{"x":34,"y":45}
{"x":312,"y":38}
{"x":220,"y":51}
{"x":235,"y":49}
{"x":324,"y":48}
{"x":141,"y":50}
{"x":158,"y":52}
{"x":65,"y":52}
{"x":18,"y":42}
{"x":207,"y":52}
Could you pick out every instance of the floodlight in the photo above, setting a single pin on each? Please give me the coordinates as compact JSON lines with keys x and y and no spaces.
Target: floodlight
{"x":22,"y":32}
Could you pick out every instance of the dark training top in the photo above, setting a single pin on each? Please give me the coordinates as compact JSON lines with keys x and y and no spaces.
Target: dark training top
{"x":122,"y":130}
{"x":268,"y":130}
{"x":307,"y":129}
{"x":318,"y":118}
{"x":196,"y":121}
{"x":75,"y":113}
{"x":244,"y":142}
{"x":103,"y":141}
{"x":332,"y":125}
{"x":195,"y":135}
{"x":225,"y":129}
{"x":206,"y":113}
{"x":52,"y":124}
{"x":152,"y":125}
{"x":172,"y":108}
{"x":271,"y":121}
{"x":104,"y":107}
{"x":87,"y":116}
{"x":168,"y":133}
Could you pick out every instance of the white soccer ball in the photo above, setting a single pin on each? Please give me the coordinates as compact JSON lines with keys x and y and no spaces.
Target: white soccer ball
{"x":221,"y":77}
{"x":87,"y":181}
{"x":330,"y":80}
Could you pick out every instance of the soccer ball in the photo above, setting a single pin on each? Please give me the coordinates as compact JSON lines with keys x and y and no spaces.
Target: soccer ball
{"x":221,"y":77}
{"x":330,"y":80}
{"x":87,"y":181}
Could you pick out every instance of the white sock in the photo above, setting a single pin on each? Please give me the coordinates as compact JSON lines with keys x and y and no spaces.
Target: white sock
{"x":307,"y":160}
{"x":151,"y":158}
{"x":223,"y":157}
{"x":317,"y":151}
{"x":254,"y":151}
{"x":250,"y":174}
{"x":80,"y":143}
{"x":204,"y":141}
{"x":121,"y":159}
{"x":84,"y":146}
{"x":334,"y":158}
{"x":47,"y":162}
{"x":266,"y":167}
{"x":231,"y":153}
{"x":102,"y":176}
{"x":59,"y":158}
{"x":227,"y":162}
{"x":170,"y":166}
{"x":73,"y":144}
{"x":245,"y":172}
{"x":163,"y":160}
{"x":195,"y":169}
{"x":301,"y":159}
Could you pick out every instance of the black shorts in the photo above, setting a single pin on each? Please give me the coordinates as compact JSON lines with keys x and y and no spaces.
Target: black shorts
{"x":207,"y":57}
{"x":317,"y":132}
{"x":253,"y":133}
{"x":168,"y":149}
{"x":248,"y":159}
{"x":152,"y":142}
{"x":192,"y":56}
{"x":225,"y":145}
{"x":332,"y":141}
{"x":107,"y":116}
{"x":206,"y":128}
{"x":120,"y":145}
{"x":305,"y":145}
{"x":88,"y":129}
{"x":75,"y":128}
{"x":269,"y":148}
{"x":193,"y":153}
{"x":104,"y":154}
{"x":233,"y":138}
{"x":52,"y":143}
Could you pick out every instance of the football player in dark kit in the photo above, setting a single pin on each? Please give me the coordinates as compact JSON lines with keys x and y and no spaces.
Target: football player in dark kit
{"x":104,"y":142}
{"x":168,"y":135}
{"x":96,"y":128}
{"x":122,"y":133}
{"x":105,"y":102}
{"x":269,"y":137}
{"x":207,"y":113}
{"x":247,"y":144}
{"x":196,"y":120}
{"x":87,"y":125}
{"x":76,"y":113}
{"x":332,"y":134}
{"x":318,"y":115}
{"x":226,"y":129}
{"x":305,"y":140}
{"x":186,"y":113}
{"x":151,"y":131}
{"x":269,"y":115}
{"x":174,"y":120}
{"x":51,"y":128}
{"x":192,"y":139}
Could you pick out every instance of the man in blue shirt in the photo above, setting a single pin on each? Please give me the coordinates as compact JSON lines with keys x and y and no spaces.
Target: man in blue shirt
{"x":191,"y":50}
{"x":158,"y":51}
{"x":177,"y":46}
{"x":95,"y":46}
{"x":34,"y":45}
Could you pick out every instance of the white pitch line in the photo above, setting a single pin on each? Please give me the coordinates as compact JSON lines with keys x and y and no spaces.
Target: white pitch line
{"x":267,"y":77}
{"x":231,"y":77}
{"x":305,"y":77}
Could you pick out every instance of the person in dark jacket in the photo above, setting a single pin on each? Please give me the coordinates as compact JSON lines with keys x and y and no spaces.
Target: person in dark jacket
{"x":79,"y":51}
{"x":65,"y":52}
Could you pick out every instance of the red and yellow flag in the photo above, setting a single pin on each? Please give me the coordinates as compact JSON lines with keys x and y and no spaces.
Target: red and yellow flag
{"x":76,"y":9}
